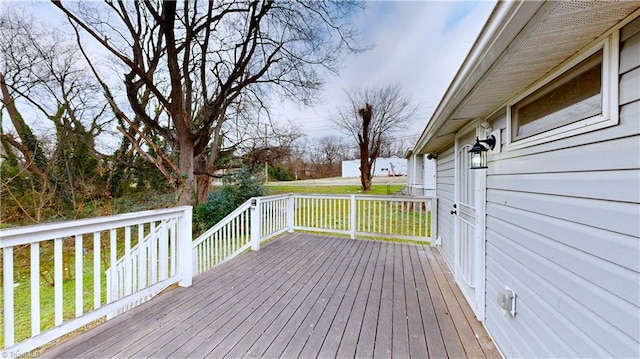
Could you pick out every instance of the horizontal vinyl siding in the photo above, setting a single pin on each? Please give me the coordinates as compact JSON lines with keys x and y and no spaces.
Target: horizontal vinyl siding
{"x":429,"y":174}
{"x":445,"y":177}
{"x":419,"y":178}
{"x":619,"y":186}
{"x":563,"y":231}
{"x":630,"y":86}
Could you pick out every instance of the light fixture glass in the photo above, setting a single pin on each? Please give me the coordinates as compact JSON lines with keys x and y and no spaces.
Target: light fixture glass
{"x":478,"y":153}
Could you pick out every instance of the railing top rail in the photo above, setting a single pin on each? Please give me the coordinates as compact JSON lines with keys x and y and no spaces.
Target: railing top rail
{"x":41,"y":232}
{"x":394,"y":198}
{"x":273,"y":197}
{"x":321,"y":195}
{"x":365,"y":196}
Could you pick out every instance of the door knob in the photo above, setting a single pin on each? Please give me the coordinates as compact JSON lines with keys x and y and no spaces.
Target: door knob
{"x":453,"y":211}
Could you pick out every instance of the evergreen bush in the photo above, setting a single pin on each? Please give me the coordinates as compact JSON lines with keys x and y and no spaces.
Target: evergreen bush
{"x":236,"y":190}
{"x":279,"y":173}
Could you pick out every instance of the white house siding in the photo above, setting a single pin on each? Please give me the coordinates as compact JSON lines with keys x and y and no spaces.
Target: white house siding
{"x":446,"y":197}
{"x":410,"y":173}
{"x":421,"y":175}
{"x":563,"y":232}
{"x":418,"y":177}
{"x":429,"y":181}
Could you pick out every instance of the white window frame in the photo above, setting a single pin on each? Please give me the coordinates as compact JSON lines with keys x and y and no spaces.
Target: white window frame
{"x":608,"y":117}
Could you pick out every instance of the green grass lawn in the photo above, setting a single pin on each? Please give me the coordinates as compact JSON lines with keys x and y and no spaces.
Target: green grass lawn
{"x":22,"y":299}
{"x":285,"y":187}
{"x":385,"y":218}
{"x":310,"y":214}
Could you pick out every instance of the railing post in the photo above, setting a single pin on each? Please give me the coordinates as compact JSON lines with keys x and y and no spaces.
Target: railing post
{"x":352,"y":216}
{"x":291,"y":212}
{"x":185,"y":250}
{"x":194,"y":261}
{"x":255,"y":224}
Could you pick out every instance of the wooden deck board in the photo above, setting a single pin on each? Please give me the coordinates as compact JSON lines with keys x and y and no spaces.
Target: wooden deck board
{"x":293,"y":330}
{"x":264,"y":330}
{"x":197,"y":349}
{"x":417,"y":337}
{"x":271,"y":302}
{"x":224,"y":315}
{"x":369,"y":327}
{"x":400,"y":334}
{"x":323,"y":323}
{"x":465,"y":334}
{"x":301,"y":296}
{"x":324,"y":307}
{"x":349,"y":335}
{"x":448,"y":332}
{"x":486,"y":344}
{"x":433,"y":335}
{"x":196,"y":308}
{"x":247,"y":304}
{"x":384,"y":332}
{"x":272,"y":332}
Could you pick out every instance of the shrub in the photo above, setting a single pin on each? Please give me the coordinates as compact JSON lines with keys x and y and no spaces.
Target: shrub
{"x":279,"y":173}
{"x":236,"y":189}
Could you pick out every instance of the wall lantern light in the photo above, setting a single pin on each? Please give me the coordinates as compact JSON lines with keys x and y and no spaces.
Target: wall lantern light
{"x":478,"y":153}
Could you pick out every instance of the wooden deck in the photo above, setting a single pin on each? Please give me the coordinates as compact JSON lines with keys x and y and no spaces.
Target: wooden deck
{"x":302,"y":296}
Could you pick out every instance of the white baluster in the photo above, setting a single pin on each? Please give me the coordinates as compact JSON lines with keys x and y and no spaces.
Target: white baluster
{"x":79,"y":287}
{"x":9,"y":326}
{"x":58,"y":283}
{"x":35,"y":288}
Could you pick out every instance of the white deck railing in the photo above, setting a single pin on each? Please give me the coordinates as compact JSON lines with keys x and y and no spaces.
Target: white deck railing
{"x":262,"y":218}
{"x":254,"y":222}
{"x":79,"y":252}
{"x":399,"y":217}
{"x":145,"y":252}
{"x":225,"y":240}
{"x":143,"y":263}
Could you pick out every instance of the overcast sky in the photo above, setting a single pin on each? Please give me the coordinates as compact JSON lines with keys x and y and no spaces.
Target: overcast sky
{"x":419,"y":44}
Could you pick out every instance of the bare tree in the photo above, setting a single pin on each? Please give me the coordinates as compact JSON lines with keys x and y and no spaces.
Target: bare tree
{"x":395,"y":147}
{"x":372,"y":115}
{"x":326,"y":154}
{"x":43,"y":73}
{"x":270,"y":144}
{"x":189,"y":62}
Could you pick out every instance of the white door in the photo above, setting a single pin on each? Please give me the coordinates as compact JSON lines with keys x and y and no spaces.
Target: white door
{"x":469,"y":212}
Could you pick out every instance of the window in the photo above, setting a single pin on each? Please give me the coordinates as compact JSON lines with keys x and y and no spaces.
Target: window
{"x":572,"y":97}
{"x":581,"y":97}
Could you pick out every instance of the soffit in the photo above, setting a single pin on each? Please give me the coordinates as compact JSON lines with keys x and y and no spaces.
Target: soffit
{"x":558,"y":31}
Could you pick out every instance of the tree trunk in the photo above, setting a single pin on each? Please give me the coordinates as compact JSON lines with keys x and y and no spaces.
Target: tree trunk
{"x":365,"y":173}
{"x":187,"y":180}
{"x":206,"y":167}
{"x":204,"y":184}
{"x":366,"y":114}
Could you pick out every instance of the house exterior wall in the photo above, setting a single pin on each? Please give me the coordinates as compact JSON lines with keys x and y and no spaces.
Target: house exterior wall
{"x":410,"y":173}
{"x":562,"y":231}
{"x":445,"y":190}
{"x":421,"y":176}
{"x":418,"y":175}
{"x":429,"y":174}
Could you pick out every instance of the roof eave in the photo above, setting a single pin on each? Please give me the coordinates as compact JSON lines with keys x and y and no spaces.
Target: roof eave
{"x":505,"y":23}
